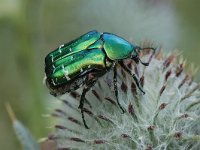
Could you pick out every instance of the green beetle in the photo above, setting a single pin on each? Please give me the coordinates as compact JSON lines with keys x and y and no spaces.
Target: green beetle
{"x":82,"y":61}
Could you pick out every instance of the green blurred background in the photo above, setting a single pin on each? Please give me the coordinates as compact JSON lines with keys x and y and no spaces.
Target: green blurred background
{"x":29,"y":29}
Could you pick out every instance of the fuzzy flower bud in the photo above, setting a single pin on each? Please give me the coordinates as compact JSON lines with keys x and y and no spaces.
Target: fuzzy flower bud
{"x":166,"y":117}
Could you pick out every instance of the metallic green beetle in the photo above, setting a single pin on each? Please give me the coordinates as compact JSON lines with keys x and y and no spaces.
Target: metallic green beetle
{"x":82,"y":61}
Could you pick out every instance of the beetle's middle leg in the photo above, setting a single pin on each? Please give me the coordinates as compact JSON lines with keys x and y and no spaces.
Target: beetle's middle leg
{"x":90,"y":83}
{"x":133,"y":75}
{"x":115,"y":87}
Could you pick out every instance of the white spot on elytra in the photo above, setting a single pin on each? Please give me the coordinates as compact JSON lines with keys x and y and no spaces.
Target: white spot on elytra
{"x":89,"y":66}
{"x":70,"y":49}
{"x":53,"y":82}
{"x":52,"y":58}
{"x":53,"y":68}
{"x":67,"y":77}
{"x":63,"y":67}
{"x":66,"y":72}
{"x":61,"y":46}
{"x":81,"y":69}
{"x":60,"y":51}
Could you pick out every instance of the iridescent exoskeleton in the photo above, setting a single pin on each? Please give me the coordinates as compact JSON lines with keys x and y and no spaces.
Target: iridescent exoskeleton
{"x":82,"y":61}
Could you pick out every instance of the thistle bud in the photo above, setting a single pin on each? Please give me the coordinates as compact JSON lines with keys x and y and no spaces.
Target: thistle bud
{"x":165,"y":117}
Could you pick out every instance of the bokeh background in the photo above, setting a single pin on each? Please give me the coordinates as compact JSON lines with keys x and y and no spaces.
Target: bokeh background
{"x":29,"y":29}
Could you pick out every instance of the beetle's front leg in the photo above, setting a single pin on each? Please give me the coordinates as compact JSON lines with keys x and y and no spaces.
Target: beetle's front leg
{"x":87,"y":87}
{"x":133,"y":75}
{"x":115,"y":88}
{"x":151,"y":48}
{"x":137,"y":59}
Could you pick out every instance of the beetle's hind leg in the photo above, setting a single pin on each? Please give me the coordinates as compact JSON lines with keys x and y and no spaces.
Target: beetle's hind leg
{"x":133,"y":75}
{"x":116,"y":89}
{"x":86,"y":88}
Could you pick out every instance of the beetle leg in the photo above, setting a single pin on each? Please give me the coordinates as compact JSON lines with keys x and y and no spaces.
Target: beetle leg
{"x":144,"y":63}
{"x":137,"y":59}
{"x":133,"y":75}
{"x":115,"y":88}
{"x":85,"y":90}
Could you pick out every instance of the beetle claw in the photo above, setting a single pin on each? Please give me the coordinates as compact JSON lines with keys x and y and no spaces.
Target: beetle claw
{"x":143,"y":92}
{"x":84,"y":122}
{"x":123,"y":111}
